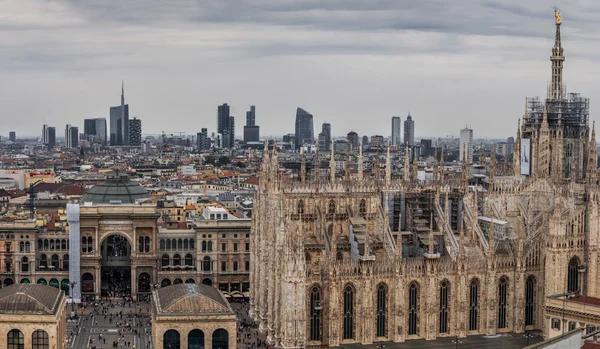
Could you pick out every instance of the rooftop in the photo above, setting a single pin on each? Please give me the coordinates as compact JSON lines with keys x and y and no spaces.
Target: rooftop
{"x":191,"y":298}
{"x":116,"y":190}
{"x":30,"y":299}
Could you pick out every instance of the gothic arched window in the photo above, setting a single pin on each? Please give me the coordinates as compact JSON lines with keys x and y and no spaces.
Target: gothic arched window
{"x":315,"y":313}
{"x":474,"y":305}
{"x":573,"y":275}
{"x":382,"y":292}
{"x":502,"y":302}
{"x":300,"y":207}
{"x":362,"y":207}
{"x":444,"y":305}
{"x":530,"y":301}
{"x":413,"y":308}
{"x":348,"y":329}
{"x":331,"y":209}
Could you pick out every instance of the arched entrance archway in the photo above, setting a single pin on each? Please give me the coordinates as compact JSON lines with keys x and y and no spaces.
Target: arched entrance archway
{"x":116,"y":266}
{"x":207,"y":281}
{"x":144,"y":283}
{"x":165,"y":283}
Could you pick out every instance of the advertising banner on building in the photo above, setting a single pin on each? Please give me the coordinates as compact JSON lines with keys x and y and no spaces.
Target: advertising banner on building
{"x":526,"y":156}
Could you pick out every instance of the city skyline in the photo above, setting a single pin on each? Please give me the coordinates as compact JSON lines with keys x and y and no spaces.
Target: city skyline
{"x":495,"y":51}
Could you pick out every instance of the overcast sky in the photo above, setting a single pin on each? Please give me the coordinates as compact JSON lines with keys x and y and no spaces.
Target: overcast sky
{"x":352,"y":63}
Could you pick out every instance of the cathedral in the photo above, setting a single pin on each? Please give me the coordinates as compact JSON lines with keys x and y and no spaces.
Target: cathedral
{"x":365,"y":260}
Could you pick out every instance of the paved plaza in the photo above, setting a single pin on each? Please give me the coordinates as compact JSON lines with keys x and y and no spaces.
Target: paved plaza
{"x":506,"y":341}
{"x":111,"y":324}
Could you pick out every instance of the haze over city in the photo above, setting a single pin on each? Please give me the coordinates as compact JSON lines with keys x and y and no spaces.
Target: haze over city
{"x":447,"y":63}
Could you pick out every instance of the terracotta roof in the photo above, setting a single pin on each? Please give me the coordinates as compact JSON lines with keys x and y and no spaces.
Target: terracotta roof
{"x":4,"y":193}
{"x":590,"y":345}
{"x":252,"y":180}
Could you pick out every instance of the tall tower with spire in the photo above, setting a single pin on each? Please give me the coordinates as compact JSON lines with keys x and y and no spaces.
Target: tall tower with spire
{"x":557,"y":59}
{"x":553,"y":128}
{"x":119,"y":122}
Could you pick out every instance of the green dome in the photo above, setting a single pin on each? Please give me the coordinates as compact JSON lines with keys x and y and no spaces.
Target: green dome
{"x":116,"y":190}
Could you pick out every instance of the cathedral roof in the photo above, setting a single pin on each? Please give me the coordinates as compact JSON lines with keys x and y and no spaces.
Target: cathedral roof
{"x":30,"y":299}
{"x":191,"y":298}
{"x":116,"y":190}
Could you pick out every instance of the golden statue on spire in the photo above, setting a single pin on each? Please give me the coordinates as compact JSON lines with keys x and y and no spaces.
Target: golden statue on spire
{"x":557,"y":15}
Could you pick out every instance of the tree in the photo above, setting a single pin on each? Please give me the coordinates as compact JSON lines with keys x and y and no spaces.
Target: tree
{"x":224,"y":160}
{"x":240,"y":164}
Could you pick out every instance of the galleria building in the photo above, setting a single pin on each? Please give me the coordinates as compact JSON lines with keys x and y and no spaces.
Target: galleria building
{"x":363,"y":260}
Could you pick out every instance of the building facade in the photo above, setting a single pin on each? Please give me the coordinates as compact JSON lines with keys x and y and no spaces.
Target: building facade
{"x":381,"y":259}
{"x":251,"y":130}
{"x":135,"y":132}
{"x":409,"y":131}
{"x":71,"y":136}
{"x":396,"y":130}
{"x":304,"y":128}
{"x":466,"y":145}
{"x":226,"y":125}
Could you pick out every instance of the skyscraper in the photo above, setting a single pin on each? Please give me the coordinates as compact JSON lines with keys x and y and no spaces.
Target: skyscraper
{"x":119,"y":122}
{"x":12,"y":136}
{"x":326,"y":130}
{"x":203,"y":142}
{"x":50,"y":137}
{"x":251,"y":131}
{"x":365,"y":140}
{"x":352,"y":138}
{"x":396,"y":130}
{"x":71,"y":136}
{"x":466,"y":144}
{"x":45,"y":134}
{"x":135,"y":132}
{"x":94,"y":130}
{"x":409,"y":131}
{"x":304,"y":128}
{"x":226,"y":125}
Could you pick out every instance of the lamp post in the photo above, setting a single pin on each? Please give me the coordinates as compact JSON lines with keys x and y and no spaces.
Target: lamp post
{"x":528,"y":335}
{"x":72,"y":284}
{"x":456,"y":341}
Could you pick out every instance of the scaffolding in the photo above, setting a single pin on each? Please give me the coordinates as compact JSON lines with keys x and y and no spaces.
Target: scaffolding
{"x":571,"y":112}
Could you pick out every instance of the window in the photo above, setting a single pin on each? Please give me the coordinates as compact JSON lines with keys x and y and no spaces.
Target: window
{"x":247,"y":246}
{"x":83,"y":244}
{"x":25,"y":264}
{"x":177,"y":260}
{"x":179,"y":244}
{"x":235,"y":246}
{"x":162,"y":244}
{"x":315,"y":313}
{"x":192,"y":244}
{"x":502,"y":299}
{"x":40,"y":243}
{"x":362,"y":207}
{"x":39,"y":340}
{"x":210,"y":246}
{"x":165,"y":260}
{"x":348,"y":324}
{"x":223,"y":266}
{"x":141,"y":244}
{"x":15,"y":340}
{"x":444,"y":306}
{"x":556,"y":324}
{"x":7,"y":246}
{"x":89,"y":244}
{"x":223,"y":236}
{"x":203,"y":246}
{"x":186,"y":244}
{"x":171,"y":339}
{"x":223,"y":246}
{"x":381,"y":310}
{"x":235,"y":266}
{"x":206,"y":263}
{"x":168,"y":244}
{"x":413,"y":309}
{"x":21,"y":247}
{"x":300,"y":207}
{"x":54,"y":261}
{"x":247,"y":265}
{"x":572,"y":325}
{"x":573,"y":275}
{"x":473,"y":305}
{"x":66,"y":262}
{"x":146,"y":244}
{"x":189,"y":260}
{"x":43,"y":261}
{"x":590,"y":329}
{"x":63,"y":244}
{"x":331,"y":209}
{"x":530,"y":301}
{"x":235,"y":236}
